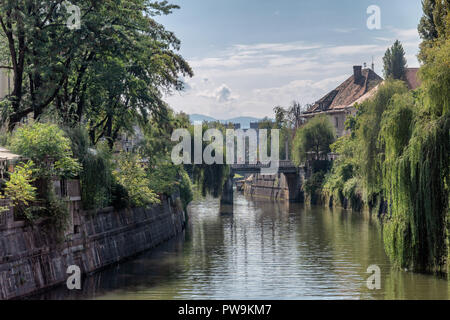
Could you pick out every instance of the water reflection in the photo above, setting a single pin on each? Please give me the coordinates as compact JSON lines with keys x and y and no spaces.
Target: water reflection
{"x":264,"y":250}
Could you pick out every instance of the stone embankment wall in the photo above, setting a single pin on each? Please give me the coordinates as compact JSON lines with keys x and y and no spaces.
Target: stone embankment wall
{"x":275,"y":187}
{"x":33,"y":257}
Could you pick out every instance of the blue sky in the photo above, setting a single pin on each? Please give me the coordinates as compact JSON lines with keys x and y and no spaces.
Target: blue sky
{"x":251,"y":55}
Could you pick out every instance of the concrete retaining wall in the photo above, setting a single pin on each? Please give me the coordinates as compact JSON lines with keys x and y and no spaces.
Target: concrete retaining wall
{"x":32,"y":258}
{"x":275,"y":187}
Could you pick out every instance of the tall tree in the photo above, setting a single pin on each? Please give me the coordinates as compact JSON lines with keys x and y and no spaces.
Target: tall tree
{"x":395,"y":62}
{"x":115,"y":67}
{"x":415,"y":134}
{"x":295,"y":114}
{"x":435,"y":20}
{"x":315,"y":136}
{"x":434,"y":24}
{"x":280,"y":116}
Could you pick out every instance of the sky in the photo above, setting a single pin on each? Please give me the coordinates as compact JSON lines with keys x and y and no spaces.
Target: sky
{"x":249,"y":56}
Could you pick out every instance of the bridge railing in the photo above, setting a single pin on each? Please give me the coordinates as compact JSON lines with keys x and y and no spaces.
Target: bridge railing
{"x":259,"y":165}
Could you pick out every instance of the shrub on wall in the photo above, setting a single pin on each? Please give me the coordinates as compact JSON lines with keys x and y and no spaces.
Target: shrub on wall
{"x":50,"y":150}
{"x":131,"y":175}
{"x":20,"y":188}
{"x":47,"y":145}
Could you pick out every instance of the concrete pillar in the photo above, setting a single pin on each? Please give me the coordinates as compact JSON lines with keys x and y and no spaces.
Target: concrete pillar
{"x":227,"y":194}
{"x":294,"y":182}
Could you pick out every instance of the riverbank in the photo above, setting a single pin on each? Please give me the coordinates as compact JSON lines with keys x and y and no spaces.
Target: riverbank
{"x":33,"y":259}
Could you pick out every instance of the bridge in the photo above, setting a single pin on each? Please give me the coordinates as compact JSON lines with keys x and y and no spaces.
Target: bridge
{"x":284,"y":166}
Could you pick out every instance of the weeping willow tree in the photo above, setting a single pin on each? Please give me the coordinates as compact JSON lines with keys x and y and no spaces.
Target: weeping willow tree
{"x":96,"y":177}
{"x":209,"y":178}
{"x":366,"y":132}
{"x":415,"y":134}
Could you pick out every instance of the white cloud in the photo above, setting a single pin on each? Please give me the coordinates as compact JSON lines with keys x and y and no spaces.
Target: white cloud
{"x":406,"y":34}
{"x":250,"y":79}
{"x":353,"y":49}
{"x":221,"y":94}
{"x":277,"y":47}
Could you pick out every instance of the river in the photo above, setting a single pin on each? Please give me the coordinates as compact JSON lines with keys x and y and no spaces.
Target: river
{"x":264,"y":250}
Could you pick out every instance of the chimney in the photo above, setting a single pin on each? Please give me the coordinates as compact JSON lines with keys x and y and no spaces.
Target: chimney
{"x":357,"y":73}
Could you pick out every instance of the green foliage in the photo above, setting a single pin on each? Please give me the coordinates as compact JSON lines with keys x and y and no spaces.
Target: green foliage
{"x":337,"y":181}
{"x":58,"y":211}
{"x":133,"y":177}
{"x":96,"y":177}
{"x":120,"y":199}
{"x":111,"y":71}
{"x":417,"y":185}
{"x":435,"y":76}
{"x":50,"y":150}
{"x":163,"y":178}
{"x":357,"y":173}
{"x":156,"y":143}
{"x":3,"y":137}
{"x":20,"y":187}
{"x":367,"y":129}
{"x":288,"y":121}
{"x":416,"y":135}
{"x":48,"y":147}
{"x":209,"y":179}
{"x":313,"y":186}
{"x":394,"y":62}
{"x":315,"y":136}
{"x":186,"y":189}
{"x":434,"y":25}
{"x":399,"y":149}
{"x":427,"y":26}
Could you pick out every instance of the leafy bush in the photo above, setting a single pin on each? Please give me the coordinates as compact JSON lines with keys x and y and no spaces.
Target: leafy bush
{"x":48,"y":147}
{"x":20,"y":187}
{"x":133,"y":177}
{"x":50,"y":150}
{"x":163,"y":178}
{"x":344,"y":169}
{"x":167,"y":178}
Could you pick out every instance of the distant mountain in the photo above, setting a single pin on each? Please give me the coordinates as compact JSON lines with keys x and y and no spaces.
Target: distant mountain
{"x":200,"y":117}
{"x":244,"y":121}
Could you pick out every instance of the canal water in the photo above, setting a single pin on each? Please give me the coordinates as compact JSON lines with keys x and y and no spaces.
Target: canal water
{"x":264,"y":250}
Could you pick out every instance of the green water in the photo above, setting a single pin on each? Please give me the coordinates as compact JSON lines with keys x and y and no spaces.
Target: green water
{"x":265,"y":250}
